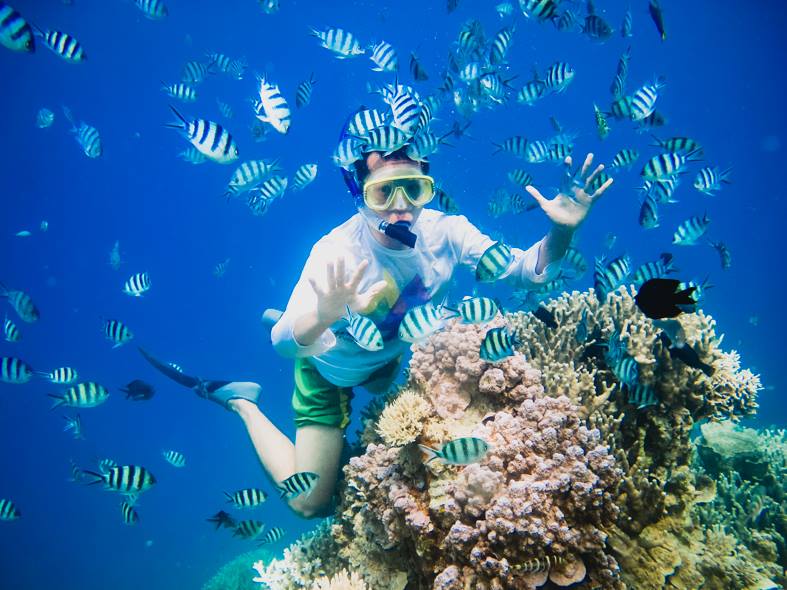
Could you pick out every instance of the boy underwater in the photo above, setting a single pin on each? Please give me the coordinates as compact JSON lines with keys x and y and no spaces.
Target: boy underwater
{"x":389,"y":257}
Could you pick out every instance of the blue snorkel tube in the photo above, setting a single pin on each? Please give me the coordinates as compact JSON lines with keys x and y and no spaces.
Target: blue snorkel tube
{"x":399,"y":231}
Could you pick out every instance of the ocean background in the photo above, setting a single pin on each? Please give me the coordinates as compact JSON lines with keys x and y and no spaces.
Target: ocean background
{"x":723,"y":62}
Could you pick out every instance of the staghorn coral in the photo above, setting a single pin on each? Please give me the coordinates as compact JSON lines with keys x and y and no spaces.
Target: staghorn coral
{"x":341,"y":581}
{"x":403,"y":419}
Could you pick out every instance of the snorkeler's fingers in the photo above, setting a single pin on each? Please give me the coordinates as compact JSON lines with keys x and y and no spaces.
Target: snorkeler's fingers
{"x":331,"y":276}
{"x":586,"y":165}
{"x":534,"y":192}
{"x":357,"y":275}
{"x":371,"y":293}
{"x":317,"y":290}
{"x":595,"y":173}
{"x":568,"y":162}
{"x":340,"y":274}
{"x":601,"y":189}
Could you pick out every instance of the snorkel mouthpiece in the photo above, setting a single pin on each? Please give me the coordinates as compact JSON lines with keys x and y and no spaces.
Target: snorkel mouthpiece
{"x":399,"y":231}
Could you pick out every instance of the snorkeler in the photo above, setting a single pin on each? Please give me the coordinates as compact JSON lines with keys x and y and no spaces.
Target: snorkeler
{"x":391,"y":256}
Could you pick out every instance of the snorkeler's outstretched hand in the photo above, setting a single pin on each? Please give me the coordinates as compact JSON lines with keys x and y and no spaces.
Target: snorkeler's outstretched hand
{"x":339,"y":292}
{"x":572,"y":204}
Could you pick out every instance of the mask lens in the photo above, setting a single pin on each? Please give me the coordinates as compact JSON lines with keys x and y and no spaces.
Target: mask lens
{"x":419,"y":191}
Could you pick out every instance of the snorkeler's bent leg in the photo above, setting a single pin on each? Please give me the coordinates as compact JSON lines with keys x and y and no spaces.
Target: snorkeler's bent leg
{"x":274,"y":450}
{"x":318,"y":449}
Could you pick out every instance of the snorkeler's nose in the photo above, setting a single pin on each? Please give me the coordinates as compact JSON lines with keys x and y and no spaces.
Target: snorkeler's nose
{"x":400,"y":202}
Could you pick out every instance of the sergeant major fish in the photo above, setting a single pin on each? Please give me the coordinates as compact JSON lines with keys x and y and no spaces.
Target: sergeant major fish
{"x":247,"y":498}
{"x":14,"y":370}
{"x":125,"y":479}
{"x":498,"y":344}
{"x":117,"y":332}
{"x":137,"y":284}
{"x":210,"y":138}
{"x":272,"y":107}
{"x":459,"y":451}
{"x":85,"y":135}
{"x":15,"y":32}
{"x":22,"y":304}
{"x":340,"y":42}
{"x":301,"y":483}
{"x":83,"y":395}
{"x":364,"y":331}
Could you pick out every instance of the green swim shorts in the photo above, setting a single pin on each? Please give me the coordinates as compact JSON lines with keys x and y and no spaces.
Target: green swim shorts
{"x":318,"y":401}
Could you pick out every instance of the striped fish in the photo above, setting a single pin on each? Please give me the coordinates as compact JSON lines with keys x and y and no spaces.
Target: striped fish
{"x":82,"y":395}
{"x":475,"y":310}
{"x":10,"y":331}
{"x":272,"y":107}
{"x":618,"y":87}
{"x":626,"y":369}
{"x":625,"y":158}
{"x":577,"y":265}
{"x":129,"y":513}
{"x":661,"y":190}
{"x":218,"y":271}
{"x":384,"y":57}
{"x":537,"y":152}
{"x":210,"y":138}
{"x":608,"y":277}
{"x":44,"y":118}
{"x":649,"y":213}
{"x":540,"y":564}
{"x":539,"y":9}
{"x":459,"y":451}
{"x":709,"y":180}
{"x":664,"y":166}
{"x":643,"y":101}
{"x":237,"y":68}
{"x":406,"y":111}
{"x":446,"y":202}
{"x":174,"y":458}
{"x":655,"y":119}
{"x":85,"y":135}
{"x":597,"y":28}
{"x":691,"y":230}
{"x":297,"y":484}
{"x":516,"y":145}
{"x":340,"y":42}
{"x":251,"y":173}
{"x":386,"y":139}
{"x":104,"y":465}
{"x":181,"y":91}
{"x":125,"y":479}
{"x":224,"y":109}
{"x":257,"y":203}
{"x":117,"y":332}
{"x":421,"y":322}
{"x":192,"y":156}
{"x":304,"y":176}
{"x":498,"y":345}
{"x":75,"y":425}
{"x":679,"y":145}
{"x":247,"y":498}
{"x":362,"y":122}
{"x":558,"y":77}
{"x":416,"y":69}
{"x":195,"y":72}
{"x":500,"y":45}
{"x":566,"y":22}
{"x":248,"y":529}
{"x":348,"y":152}
{"x":271,"y":189}
{"x":303,"y":93}
{"x":8,"y":510}
{"x":642,"y":396}
{"x":63,"y":45}
{"x":494,"y":262}
{"x":15,"y":33}
{"x":654,"y":269}
{"x":531,"y":92}
{"x":61,"y":375}
{"x":470,"y":72}
{"x":625,"y":27}
{"x":14,"y":370}
{"x":621,"y":108}
{"x":273,"y":535}
{"x":137,"y":284}
{"x":152,"y":9}
{"x":520,"y":177}
{"x":724,"y":254}
{"x":424,"y":145}
{"x":364,"y":331}
{"x":218,"y":62}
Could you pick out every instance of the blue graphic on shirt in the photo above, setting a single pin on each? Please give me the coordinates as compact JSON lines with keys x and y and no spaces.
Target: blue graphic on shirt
{"x":412,"y":295}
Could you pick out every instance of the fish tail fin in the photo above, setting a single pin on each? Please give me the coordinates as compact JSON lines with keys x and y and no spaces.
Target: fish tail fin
{"x":499,"y":147}
{"x":97,"y":477}
{"x":59,"y":401}
{"x":694,"y":155}
{"x":282,"y":491}
{"x":430,"y":452}
{"x":724,"y":175}
{"x":42,"y":374}
{"x":181,"y":125}
{"x":70,"y":117}
{"x":229,"y":498}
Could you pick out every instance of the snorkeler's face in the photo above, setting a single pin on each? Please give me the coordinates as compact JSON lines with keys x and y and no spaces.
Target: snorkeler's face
{"x":400,"y":209}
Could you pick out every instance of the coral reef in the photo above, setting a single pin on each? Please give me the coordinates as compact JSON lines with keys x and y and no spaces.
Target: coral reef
{"x":581,"y":486}
{"x":341,"y":581}
{"x":238,"y":573}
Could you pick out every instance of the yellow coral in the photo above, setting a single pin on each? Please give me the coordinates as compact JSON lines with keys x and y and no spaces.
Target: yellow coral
{"x":341,"y":581}
{"x":402,"y":421}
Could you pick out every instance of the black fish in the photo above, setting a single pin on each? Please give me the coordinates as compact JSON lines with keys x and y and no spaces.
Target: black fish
{"x":451,"y":5}
{"x":546,"y":316}
{"x":222,"y":519}
{"x":418,"y":72}
{"x":660,"y":298}
{"x":655,"y":13}
{"x":138,"y":390}
{"x":686,"y":354}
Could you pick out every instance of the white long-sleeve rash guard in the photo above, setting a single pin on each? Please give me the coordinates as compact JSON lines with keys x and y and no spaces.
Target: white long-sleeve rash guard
{"x":414,"y":276}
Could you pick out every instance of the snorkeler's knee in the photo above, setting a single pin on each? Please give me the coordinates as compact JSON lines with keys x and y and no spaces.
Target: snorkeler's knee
{"x":309,"y":510}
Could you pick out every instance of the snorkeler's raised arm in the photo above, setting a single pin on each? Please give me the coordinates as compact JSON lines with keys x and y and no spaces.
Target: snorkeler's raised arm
{"x":568,"y":209}
{"x":319,"y":300}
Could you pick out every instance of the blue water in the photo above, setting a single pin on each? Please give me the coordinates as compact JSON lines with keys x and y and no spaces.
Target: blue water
{"x":726,"y":87}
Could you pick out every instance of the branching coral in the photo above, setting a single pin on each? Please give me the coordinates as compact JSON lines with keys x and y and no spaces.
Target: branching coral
{"x":341,"y":581}
{"x":403,"y":420}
